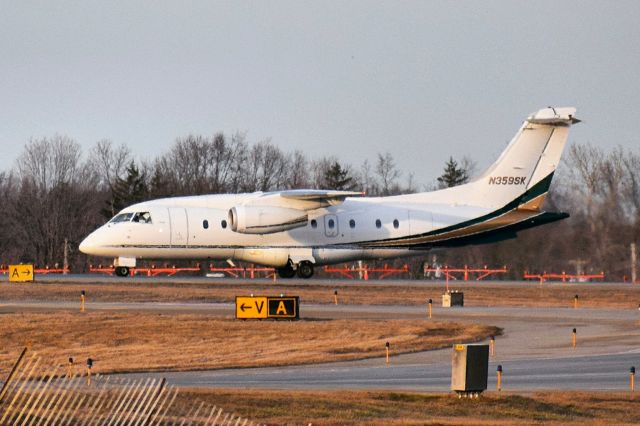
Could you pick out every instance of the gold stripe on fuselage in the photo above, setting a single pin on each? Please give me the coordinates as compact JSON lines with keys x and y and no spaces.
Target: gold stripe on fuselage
{"x":534,"y":204}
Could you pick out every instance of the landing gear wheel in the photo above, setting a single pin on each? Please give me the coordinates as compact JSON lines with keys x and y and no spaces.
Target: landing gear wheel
{"x":305,"y":269}
{"x":122,"y":271}
{"x":286,"y":272}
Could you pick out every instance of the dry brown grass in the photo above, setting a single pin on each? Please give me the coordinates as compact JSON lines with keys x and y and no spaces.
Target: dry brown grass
{"x":124,"y":341}
{"x":483,"y":293}
{"x":324,"y":408}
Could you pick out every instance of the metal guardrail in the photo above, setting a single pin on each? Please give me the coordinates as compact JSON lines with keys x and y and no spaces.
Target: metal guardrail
{"x":476,"y":274}
{"x":4,"y":269}
{"x":363,"y":272}
{"x":564,"y":277}
{"x":155,"y":270}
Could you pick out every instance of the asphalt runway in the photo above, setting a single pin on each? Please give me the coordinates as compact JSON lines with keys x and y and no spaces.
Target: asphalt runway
{"x":95,"y":278}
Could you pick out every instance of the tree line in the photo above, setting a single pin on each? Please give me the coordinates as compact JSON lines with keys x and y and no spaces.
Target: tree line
{"x":56,"y":192}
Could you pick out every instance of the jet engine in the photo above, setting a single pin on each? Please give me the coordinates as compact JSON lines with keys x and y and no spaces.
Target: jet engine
{"x":265,"y":219}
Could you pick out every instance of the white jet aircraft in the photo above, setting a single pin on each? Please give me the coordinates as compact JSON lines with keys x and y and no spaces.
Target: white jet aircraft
{"x":296,"y":230}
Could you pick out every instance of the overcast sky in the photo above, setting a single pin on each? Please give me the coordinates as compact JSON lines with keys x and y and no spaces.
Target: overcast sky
{"x":422,"y":80}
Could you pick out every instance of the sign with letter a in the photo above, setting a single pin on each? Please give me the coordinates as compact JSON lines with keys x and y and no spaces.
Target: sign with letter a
{"x":20,"y":273}
{"x":283,"y":308}
{"x":261,"y":307}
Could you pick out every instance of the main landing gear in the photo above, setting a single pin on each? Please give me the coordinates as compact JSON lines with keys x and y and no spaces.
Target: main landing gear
{"x":122,"y":271}
{"x":287,"y":271}
{"x":304,"y":270}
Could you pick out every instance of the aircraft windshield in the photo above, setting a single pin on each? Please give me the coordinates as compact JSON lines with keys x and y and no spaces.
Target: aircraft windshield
{"x":122,"y":217}
{"x":139,"y":217}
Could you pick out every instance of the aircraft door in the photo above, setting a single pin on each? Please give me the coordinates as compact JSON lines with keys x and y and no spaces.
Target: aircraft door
{"x":179,"y":227}
{"x":331,"y":225}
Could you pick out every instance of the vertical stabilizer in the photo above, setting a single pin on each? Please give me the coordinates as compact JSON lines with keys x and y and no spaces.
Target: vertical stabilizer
{"x":525,"y":168}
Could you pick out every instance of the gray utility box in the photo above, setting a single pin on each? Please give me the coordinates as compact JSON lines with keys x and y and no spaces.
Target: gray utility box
{"x":469,"y":368}
{"x":452,"y":298}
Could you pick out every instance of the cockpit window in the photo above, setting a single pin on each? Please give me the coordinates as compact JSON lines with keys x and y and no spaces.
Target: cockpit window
{"x":142,"y":217}
{"x":122,"y":217}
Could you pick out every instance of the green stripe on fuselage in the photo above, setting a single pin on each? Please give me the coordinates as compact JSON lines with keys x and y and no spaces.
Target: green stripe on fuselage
{"x":538,"y":189}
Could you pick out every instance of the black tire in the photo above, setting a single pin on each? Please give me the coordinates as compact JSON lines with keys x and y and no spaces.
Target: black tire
{"x":122,"y":271}
{"x":305,"y":269}
{"x":286,"y":272}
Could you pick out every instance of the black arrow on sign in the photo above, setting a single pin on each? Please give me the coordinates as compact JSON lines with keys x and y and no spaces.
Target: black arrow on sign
{"x":244,"y":307}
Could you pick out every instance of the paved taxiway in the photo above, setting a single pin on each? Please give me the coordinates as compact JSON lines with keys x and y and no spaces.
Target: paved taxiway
{"x":604,"y":372}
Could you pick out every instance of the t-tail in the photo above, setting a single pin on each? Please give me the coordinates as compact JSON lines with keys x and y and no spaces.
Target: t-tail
{"x":524,"y":171}
{"x":521,"y":176}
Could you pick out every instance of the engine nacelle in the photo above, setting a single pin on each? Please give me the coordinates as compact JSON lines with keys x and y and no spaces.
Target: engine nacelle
{"x":265,"y":219}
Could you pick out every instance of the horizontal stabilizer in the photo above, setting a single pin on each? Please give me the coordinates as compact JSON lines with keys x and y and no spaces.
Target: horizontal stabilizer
{"x":554,"y":116}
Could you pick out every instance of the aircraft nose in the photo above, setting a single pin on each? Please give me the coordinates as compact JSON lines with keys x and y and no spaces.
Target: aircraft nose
{"x":88,"y":245}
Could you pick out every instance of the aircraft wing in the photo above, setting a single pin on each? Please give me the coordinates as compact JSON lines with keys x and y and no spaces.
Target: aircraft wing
{"x":305,"y":199}
{"x":319,"y":195}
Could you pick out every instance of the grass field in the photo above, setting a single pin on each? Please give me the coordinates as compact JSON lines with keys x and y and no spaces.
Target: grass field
{"x":125,"y":341}
{"x":484,"y":293}
{"x":397,"y":408}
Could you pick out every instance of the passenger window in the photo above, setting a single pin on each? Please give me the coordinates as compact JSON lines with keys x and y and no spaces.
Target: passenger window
{"x":205,"y":224}
{"x":314,"y":223}
{"x":396,"y":224}
{"x":352,"y":223}
{"x":331,"y":223}
{"x":378,"y":223}
{"x":142,"y":217}
{"x":224,"y":224}
{"x":122,"y":217}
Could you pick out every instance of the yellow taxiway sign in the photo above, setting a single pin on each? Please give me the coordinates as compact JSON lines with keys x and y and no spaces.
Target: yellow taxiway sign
{"x":261,"y":307}
{"x":20,"y":273}
{"x":251,"y":307}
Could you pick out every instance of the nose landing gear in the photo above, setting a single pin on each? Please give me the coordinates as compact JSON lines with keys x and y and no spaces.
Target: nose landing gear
{"x":122,"y":271}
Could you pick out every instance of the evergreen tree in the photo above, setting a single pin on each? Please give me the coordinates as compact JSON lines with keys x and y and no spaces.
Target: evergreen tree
{"x":452,"y":175}
{"x":338,"y":178}
{"x":130,"y":190}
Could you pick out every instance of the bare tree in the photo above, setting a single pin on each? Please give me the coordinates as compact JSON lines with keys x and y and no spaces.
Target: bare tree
{"x":49,"y":162}
{"x":388,"y":174}
{"x":631,"y":191}
{"x":298,"y":176}
{"x":227,"y":161}
{"x":110,"y":163}
{"x":55,"y":198}
{"x":368,"y":183}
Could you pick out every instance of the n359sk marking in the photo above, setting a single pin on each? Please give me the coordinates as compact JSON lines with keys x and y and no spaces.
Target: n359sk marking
{"x":507,"y":180}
